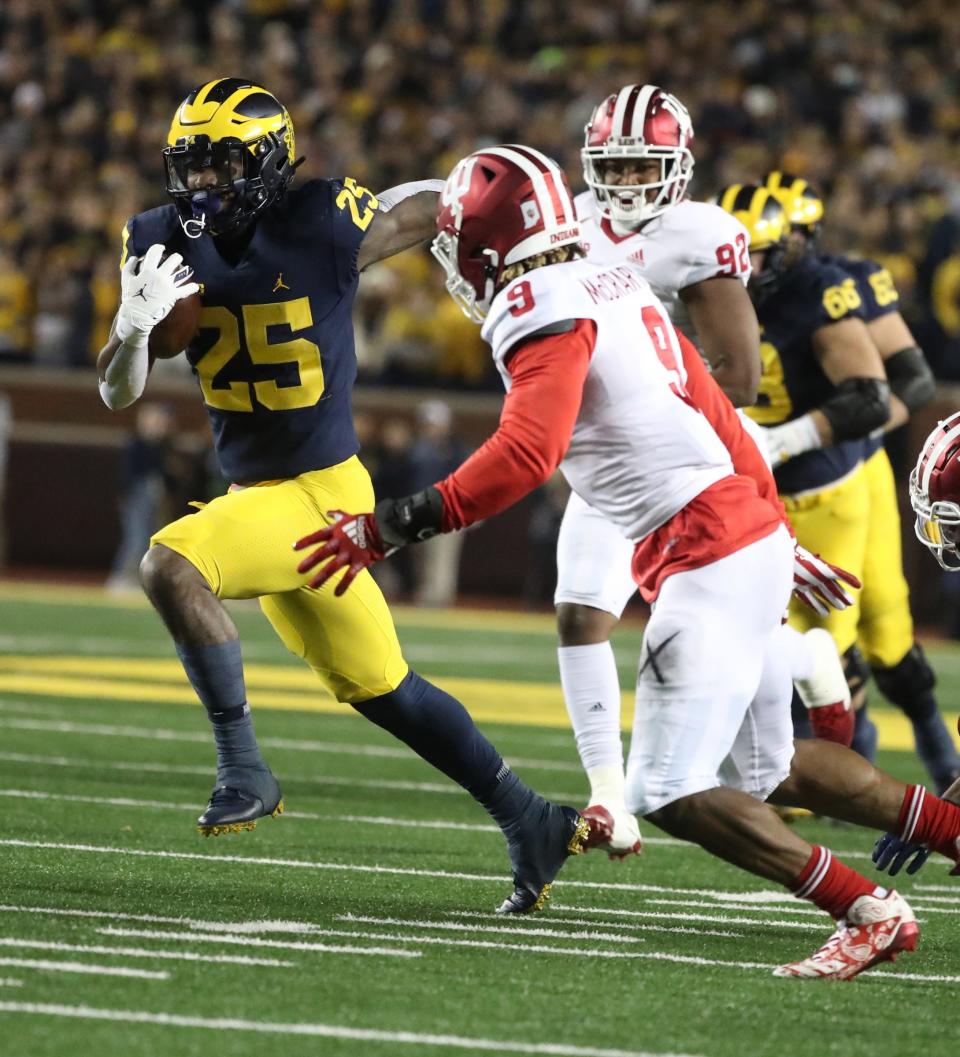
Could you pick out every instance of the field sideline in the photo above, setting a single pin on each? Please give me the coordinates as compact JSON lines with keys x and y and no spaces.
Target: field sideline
{"x":359,"y":922}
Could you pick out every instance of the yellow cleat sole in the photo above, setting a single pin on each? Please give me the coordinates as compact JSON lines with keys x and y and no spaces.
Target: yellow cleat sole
{"x":578,"y":841}
{"x":236,"y":827}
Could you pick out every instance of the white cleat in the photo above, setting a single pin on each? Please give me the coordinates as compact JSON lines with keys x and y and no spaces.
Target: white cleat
{"x":613,"y":830}
{"x":875,"y":930}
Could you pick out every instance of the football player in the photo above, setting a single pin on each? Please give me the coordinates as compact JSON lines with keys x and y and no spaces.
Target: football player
{"x":642,"y":432}
{"x":637,"y":162}
{"x":274,"y":361}
{"x":935,"y":498}
{"x":885,"y":639}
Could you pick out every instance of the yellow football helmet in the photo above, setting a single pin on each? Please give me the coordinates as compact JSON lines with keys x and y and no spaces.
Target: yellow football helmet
{"x":244,"y":135}
{"x":768,"y":226}
{"x":803,"y":205}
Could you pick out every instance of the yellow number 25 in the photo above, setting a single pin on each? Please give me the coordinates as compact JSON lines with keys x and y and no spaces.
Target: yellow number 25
{"x":350,"y":197}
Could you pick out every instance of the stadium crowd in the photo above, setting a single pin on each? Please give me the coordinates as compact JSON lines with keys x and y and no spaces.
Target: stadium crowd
{"x":857,"y":95}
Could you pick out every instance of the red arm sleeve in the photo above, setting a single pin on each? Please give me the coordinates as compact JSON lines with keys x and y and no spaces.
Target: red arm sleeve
{"x":547,"y":376}
{"x":711,"y":401}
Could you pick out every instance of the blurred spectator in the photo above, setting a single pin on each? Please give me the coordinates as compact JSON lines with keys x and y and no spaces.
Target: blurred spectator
{"x":146,"y":481}
{"x":394,"y":476}
{"x":436,"y":452}
{"x":6,"y":428}
{"x":858,"y":96}
{"x":540,"y":577}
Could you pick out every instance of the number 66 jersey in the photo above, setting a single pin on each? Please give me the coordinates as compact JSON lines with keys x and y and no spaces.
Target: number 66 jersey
{"x":647,"y":454}
{"x":274,"y":355}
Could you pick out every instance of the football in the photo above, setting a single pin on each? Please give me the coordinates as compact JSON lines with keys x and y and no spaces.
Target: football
{"x":177,"y":328}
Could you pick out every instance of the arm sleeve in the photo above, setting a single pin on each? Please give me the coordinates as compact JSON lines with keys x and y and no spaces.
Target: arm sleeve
{"x":536,"y":424}
{"x":711,"y":401}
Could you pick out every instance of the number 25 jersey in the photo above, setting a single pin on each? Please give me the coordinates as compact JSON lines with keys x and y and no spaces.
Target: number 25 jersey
{"x":274,"y":354}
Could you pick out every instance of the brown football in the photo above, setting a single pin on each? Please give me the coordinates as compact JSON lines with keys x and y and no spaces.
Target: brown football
{"x":177,"y":328}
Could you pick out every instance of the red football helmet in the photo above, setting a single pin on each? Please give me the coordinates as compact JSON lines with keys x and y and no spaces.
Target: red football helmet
{"x":499,"y":206}
{"x":935,"y":493}
{"x":641,"y":121}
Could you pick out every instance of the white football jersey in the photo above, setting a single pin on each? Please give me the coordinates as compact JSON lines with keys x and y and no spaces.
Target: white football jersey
{"x":640,"y":450}
{"x":686,"y":244}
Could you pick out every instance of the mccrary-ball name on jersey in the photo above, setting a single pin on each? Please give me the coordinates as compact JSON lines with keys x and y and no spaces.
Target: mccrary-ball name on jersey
{"x":611,"y":285}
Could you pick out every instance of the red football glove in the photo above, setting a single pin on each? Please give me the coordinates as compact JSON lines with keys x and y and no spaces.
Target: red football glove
{"x":352,"y":542}
{"x":818,"y":584}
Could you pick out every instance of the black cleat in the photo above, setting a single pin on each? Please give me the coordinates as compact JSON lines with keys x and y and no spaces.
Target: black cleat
{"x":538,"y":853}
{"x":235,"y":807}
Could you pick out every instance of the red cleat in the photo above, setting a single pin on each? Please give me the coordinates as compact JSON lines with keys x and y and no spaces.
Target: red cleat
{"x":616,"y":833}
{"x":875,"y":930}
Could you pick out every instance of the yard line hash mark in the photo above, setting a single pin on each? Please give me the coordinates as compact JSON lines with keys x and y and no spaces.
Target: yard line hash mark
{"x":330,"y":1031}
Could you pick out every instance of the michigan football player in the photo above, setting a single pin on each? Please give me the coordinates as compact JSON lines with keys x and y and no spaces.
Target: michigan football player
{"x":885,"y":639}
{"x":274,"y":360}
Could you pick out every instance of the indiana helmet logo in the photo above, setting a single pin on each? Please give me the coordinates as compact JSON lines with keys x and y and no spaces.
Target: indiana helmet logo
{"x":531,"y":213}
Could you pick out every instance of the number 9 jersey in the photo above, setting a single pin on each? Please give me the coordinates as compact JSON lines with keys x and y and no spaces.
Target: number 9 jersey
{"x":274,"y":354}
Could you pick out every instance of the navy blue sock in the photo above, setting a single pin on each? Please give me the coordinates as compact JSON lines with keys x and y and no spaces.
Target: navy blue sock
{"x":216,"y":673}
{"x":864,"y":735}
{"x":439,"y":730}
{"x":801,"y":717}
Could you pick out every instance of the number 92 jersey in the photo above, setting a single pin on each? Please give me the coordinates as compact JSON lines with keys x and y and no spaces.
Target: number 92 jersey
{"x":813,"y":294}
{"x":274,"y":354}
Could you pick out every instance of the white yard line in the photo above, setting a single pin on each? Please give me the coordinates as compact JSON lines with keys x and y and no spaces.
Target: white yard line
{"x":329,"y":1031}
{"x":361,"y":934}
{"x":307,"y":864}
{"x":83,"y":967}
{"x":716,"y":919}
{"x":318,"y":948}
{"x":207,"y":772}
{"x":27,"y":944}
{"x":629,"y":926}
{"x":514,"y":930}
{"x":339,"y":748}
{"x":892,"y":975}
{"x":9,"y":981}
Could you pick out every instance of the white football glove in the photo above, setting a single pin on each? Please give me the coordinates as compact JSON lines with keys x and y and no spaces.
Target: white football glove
{"x":790,"y":439}
{"x":147,"y":294}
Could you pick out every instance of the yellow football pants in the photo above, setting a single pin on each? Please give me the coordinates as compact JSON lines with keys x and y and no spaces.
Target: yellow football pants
{"x":241,"y":545}
{"x":834,"y":524}
{"x":885,"y":632}
{"x":856,"y":525}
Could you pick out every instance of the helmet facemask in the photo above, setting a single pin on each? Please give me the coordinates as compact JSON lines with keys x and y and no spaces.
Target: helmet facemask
{"x":249,"y":178}
{"x":445,"y":248}
{"x":634,"y":204}
{"x":937,"y":525}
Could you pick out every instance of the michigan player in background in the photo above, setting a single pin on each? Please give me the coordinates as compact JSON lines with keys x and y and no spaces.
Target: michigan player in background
{"x":885,"y":637}
{"x":822,"y":392}
{"x":275,"y":363}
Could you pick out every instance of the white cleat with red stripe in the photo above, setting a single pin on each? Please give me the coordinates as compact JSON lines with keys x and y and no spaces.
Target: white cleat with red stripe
{"x":615,"y":832}
{"x":875,"y":930}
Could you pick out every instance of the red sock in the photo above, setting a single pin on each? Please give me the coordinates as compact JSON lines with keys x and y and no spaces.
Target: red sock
{"x":830,"y":885}
{"x":926,"y":819}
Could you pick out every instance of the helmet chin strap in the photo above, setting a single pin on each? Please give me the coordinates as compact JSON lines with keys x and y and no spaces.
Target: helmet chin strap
{"x":206,"y":206}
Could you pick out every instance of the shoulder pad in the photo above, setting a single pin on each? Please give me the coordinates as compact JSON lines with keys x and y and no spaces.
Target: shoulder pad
{"x":540,"y":299}
{"x":708,"y":242}
{"x":144,"y":229}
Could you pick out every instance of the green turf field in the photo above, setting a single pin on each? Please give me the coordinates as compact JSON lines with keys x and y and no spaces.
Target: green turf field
{"x":360,"y":922}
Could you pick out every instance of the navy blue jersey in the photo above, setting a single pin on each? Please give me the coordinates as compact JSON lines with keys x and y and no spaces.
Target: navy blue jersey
{"x":879,"y":295}
{"x":813,"y":294}
{"x":274,"y":356}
